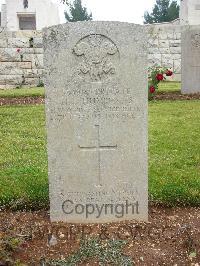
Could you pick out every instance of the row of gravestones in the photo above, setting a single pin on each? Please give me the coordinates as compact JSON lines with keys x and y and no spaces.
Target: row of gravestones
{"x":96,"y":112}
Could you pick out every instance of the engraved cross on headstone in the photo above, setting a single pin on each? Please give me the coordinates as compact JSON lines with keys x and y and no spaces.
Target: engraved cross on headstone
{"x":98,"y":148}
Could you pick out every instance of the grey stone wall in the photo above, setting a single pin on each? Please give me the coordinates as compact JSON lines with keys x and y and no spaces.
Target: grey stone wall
{"x":21,"y":59}
{"x":25,"y":68}
{"x":165,"y":47}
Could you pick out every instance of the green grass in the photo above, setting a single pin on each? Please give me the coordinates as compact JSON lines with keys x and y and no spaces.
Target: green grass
{"x":12,"y":93}
{"x":23,"y":159}
{"x":169,"y":86}
{"x":174,"y":154}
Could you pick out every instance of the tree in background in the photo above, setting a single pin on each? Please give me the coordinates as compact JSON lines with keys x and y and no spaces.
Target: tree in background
{"x":163,"y":11}
{"x":25,"y":3}
{"x":77,"y":12}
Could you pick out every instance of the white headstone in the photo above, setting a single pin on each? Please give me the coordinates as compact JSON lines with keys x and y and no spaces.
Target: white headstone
{"x":191,"y":59}
{"x":96,"y":110}
{"x":190,"y":12}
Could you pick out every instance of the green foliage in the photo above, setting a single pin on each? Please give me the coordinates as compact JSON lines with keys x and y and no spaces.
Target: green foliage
{"x":40,"y":83}
{"x":155,"y":76}
{"x":8,"y":245}
{"x":77,"y":12}
{"x":65,"y":2}
{"x":163,"y":11}
{"x":173,"y":11}
{"x":106,"y":252}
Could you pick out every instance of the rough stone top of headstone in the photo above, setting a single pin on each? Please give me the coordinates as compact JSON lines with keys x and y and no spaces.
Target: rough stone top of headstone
{"x":96,"y":109}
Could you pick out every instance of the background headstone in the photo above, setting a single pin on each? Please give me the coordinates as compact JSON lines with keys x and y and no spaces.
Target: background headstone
{"x":96,"y":110}
{"x":190,"y":59}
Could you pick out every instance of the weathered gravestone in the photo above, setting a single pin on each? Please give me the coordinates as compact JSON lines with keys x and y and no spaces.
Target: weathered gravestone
{"x":190,"y":59}
{"x":96,"y":110}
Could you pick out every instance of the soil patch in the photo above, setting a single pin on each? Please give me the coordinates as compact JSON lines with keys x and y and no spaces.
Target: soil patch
{"x":21,"y":101}
{"x":176,"y":95}
{"x":171,"y":237}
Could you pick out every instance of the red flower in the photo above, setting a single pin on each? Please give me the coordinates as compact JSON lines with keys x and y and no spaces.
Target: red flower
{"x":169,"y":73}
{"x":18,"y":50}
{"x":152,"y":89}
{"x":159,"y":76}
